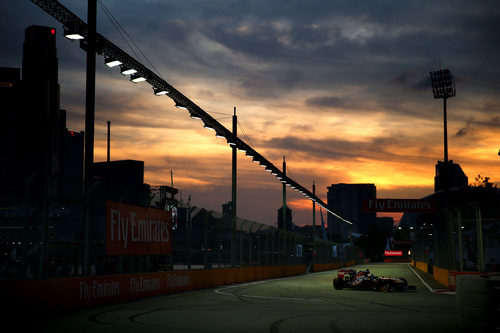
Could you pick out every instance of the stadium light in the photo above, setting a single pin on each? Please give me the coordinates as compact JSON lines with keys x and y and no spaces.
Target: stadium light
{"x":137,"y":78}
{"x":126,"y":70}
{"x":160,"y":91}
{"x":72,"y":35}
{"x":111,"y":62}
{"x":180,"y":106}
{"x":443,"y":86}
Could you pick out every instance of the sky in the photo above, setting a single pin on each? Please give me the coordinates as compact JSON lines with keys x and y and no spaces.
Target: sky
{"x":340,"y":88}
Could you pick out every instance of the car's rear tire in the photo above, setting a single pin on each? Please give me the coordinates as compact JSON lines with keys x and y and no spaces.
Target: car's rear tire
{"x":338,"y":284}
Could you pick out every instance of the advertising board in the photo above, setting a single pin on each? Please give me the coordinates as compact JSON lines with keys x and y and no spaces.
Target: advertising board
{"x":399,"y":205}
{"x":135,"y":230}
{"x":393,"y":253}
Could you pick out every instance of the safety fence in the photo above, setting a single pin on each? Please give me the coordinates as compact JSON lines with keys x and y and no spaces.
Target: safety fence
{"x":458,"y":239}
{"x":50,"y":243}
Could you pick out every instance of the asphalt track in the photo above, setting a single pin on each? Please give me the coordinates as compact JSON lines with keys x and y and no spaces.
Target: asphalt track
{"x":306,"y":303}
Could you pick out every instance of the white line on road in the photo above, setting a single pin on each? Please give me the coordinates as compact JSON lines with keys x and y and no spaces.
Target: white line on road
{"x":221,"y":292}
{"x":429,"y":287}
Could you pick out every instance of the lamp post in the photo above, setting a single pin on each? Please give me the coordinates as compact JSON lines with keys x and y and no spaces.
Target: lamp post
{"x":443,"y":86}
{"x":233,"y":191}
{"x":89,"y":124}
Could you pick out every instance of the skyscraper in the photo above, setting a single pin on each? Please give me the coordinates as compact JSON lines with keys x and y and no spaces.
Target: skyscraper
{"x":347,"y":201}
{"x":43,"y":121}
{"x":33,"y":125}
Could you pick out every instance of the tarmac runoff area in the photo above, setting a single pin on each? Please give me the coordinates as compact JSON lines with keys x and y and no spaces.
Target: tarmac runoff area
{"x":305,"y":303}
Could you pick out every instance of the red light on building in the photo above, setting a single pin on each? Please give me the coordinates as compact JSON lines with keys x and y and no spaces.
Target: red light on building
{"x":52,"y":31}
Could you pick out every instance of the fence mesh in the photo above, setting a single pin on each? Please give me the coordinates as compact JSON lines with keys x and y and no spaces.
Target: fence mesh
{"x":48,"y":241}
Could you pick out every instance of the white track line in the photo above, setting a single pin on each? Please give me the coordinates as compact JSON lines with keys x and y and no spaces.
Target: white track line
{"x":429,"y":287}
{"x":221,"y":292}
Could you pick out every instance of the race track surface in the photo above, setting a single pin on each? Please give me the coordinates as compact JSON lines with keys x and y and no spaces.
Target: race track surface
{"x":306,"y":303}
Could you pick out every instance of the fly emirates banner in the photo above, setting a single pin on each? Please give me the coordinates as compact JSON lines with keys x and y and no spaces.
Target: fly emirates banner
{"x":135,"y":230}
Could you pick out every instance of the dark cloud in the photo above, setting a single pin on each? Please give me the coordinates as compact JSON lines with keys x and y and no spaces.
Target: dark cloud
{"x":467,"y":129}
{"x":379,"y":148}
{"x":413,"y":80}
{"x":359,"y":57}
{"x":326,"y":101}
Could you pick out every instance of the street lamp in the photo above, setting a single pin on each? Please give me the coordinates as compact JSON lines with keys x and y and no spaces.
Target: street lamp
{"x":443,"y":86}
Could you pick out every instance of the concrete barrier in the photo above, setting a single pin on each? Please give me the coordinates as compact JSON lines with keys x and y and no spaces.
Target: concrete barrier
{"x":478,"y":302}
{"x":78,"y":292}
{"x":326,"y":267}
{"x":441,"y":275}
{"x":423,"y":266}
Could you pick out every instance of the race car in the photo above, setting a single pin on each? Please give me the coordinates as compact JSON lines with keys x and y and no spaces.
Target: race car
{"x":364,"y":280}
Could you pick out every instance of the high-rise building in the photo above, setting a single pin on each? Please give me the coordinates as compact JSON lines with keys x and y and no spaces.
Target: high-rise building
{"x":33,"y":126}
{"x":43,"y":122}
{"x":10,"y":90}
{"x":347,"y":201}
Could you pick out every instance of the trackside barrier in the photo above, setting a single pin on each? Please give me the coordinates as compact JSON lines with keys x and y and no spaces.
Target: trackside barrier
{"x":70,"y":293}
{"x":423,"y":266}
{"x":478,"y":302}
{"x":331,"y":266}
{"x":442,"y":275}
{"x":350,"y":263}
{"x":452,"y":277}
{"x":326,"y":267}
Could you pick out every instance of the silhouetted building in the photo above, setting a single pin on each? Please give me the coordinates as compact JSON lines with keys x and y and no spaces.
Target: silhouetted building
{"x":72,"y":165}
{"x":449,"y":175}
{"x":44,"y":122}
{"x":288,"y":224}
{"x":33,"y":126}
{"x":386,"y":223}
{"x":347,"y":201}
{"x":10,"y":147}
{"x":121,"y":181}
{"x":227,"y":208}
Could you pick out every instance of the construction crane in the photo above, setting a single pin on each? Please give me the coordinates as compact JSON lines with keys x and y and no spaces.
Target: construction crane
{"x":76,"y":28}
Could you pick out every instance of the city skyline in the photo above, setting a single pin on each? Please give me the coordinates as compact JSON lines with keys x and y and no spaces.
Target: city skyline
{"x":343,"y":93}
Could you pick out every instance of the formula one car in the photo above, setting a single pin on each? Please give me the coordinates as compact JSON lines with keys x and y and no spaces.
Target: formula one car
{"x":364,"y":280}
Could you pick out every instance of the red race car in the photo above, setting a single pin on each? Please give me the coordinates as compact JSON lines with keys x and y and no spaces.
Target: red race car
{"x":364,"y":280}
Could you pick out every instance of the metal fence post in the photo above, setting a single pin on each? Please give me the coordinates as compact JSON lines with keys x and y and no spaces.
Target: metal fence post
{"x":479,"y":230}
{"x":460,"y":246}
{"x":205,"y":232}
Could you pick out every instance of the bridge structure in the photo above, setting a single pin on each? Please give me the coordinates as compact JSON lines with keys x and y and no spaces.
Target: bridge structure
{"x":76,"y":29}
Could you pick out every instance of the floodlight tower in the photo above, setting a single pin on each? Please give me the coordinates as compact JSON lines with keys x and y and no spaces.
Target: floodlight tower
{"x":443,"y":86}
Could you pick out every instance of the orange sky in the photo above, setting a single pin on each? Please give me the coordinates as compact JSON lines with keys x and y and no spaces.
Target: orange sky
{"x":399,"y":159}
{"x":341,"y":89}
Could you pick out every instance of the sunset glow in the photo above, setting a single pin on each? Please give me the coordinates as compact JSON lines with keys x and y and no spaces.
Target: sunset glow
{"x":343,"y":93}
